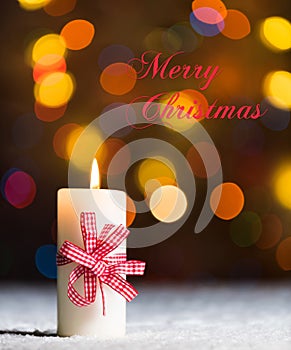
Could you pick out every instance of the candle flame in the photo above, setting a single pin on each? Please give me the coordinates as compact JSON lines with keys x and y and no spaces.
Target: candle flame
{"x":95,"y":178}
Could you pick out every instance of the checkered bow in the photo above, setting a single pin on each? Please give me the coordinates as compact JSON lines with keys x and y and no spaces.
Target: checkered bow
{"x":94,"y":262}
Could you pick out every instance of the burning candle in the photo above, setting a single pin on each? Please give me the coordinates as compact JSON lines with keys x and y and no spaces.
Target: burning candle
{"x":109,"y":207}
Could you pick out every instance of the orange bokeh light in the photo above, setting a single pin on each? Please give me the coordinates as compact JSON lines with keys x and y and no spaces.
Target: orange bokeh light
{"x":48,"y":114}
{"x":78,"y":34}
{"x":227,"y":200}
{"x":118,"y":78}
{"x":130,"y":211}
{"x":218,"y":13}
{"x":236,"y":25}
{"x":48,"y":64}
{"x":65,"y":138}
{"x":283,"y":254}
{"x":59,"y":7}
{"x":272,"y":230}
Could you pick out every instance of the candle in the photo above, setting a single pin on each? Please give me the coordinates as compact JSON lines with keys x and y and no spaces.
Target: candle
{"x":109,"y":208}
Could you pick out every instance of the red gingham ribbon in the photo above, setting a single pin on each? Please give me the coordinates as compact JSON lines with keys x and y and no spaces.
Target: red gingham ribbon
{"x":94,"y":263}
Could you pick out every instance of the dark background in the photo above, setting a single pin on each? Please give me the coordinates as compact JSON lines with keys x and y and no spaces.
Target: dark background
{"x":210,"y":255}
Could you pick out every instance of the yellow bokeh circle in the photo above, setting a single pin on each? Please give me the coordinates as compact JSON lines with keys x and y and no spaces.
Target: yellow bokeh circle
{"x":55,"y":89}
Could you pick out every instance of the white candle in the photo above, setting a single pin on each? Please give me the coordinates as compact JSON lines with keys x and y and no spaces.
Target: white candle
{"x":109,"y":206}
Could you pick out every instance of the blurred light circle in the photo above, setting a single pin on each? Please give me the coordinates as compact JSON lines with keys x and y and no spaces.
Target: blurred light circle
{"x":258,"y":199}
{"x":283,"y":254}
{"x":31,"y":5}
{"x":27,"y":131}
{"x":20,"y":189}
{"x":168,"y":203}
{"x":113,"y":54}
{"x":65,"y":138}
{"x":275,"y":119}
{"x":49,"y":114}
{"x":277,"y":88}
{"x":106,"y":153}
{"x":236,"y":25}
{"x":153,"y":169}
{"x":28,"y":165}
{"x":55,"y":89}
{"x":60,"y":7}
{"x":154,"y":39}
{"x":248,"y":137}
{"x":78,"y":34}
{"x":48,"y":64}
{"x":245,"y":230}
{"x":118,"y":78}
{"x":49,"y":44}
{"x":283,"y":186}
{"x":209,"y":11}
{"x":228,"y":199}
{"x":45,"y":260}
{"x":205,"y":29}
{"x":272,"y":231}
{"x":195,"y":159}
{"x":208,"y":15}
{"x":5,"y":177}
{"x":189,"y":106}
{"x":152,"y":184}
{"x":130,"y":211}
{"x":188,"y":41}
{"x":275,"y":33}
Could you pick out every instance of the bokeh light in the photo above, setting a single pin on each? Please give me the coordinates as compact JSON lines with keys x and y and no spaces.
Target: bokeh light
{"x":78,"y":34}
{"x":275,"y":119}
{"x":55,"y":89}
{"x":113,"y":54}
{"x":27,"y":131}
{"x":118,"y":78}
{"x":48,"y":64}
{"x":245,"y":230}
{"x":107,"y":151}
{"x":283,"y":254}
{"x":49,"y":114}
{"x":272,"y":230}
{"x":49,"y":44}
{"x":153,"y":169}
{"x":196,"y":163}
{"x":168,"y":203}
{"x":205,"y":29}
{"x":154,"y":40}
{"x":248,"y":137}
{"x":130,"y":211}
{"x":275,"y":33}
{"x":180,"y":37}
{"x":283,"y":186}
{"x":19,"y":189}
{"x":227,"y":200}
{"x":277,"y":88}
{"x":59,"y":7}
{"x":32,"y":5}
{"x":236,"y":25}
{"x":153,"y":184}
{"x":185,"y":108}
{"x":65,"y":138}
{"x":45,"y":260}
{"x":209,"y":11}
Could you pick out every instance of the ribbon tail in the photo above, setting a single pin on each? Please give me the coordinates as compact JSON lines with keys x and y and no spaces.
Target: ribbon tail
{"x":120,"y":285}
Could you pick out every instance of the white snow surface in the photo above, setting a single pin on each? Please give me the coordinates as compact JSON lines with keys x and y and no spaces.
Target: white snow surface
{"x":172,"y":317}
